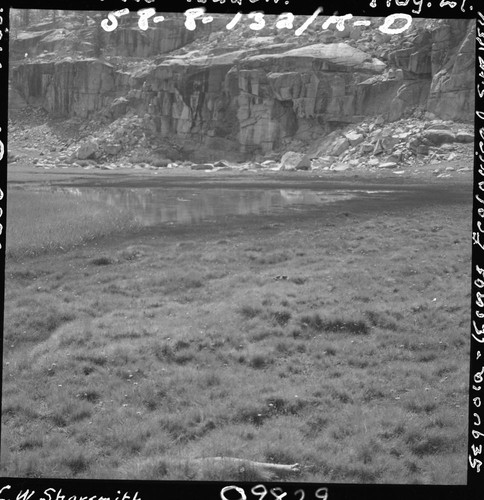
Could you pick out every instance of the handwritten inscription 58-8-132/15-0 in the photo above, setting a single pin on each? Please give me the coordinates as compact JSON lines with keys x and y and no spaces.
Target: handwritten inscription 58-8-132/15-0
{"x":393,"y":24}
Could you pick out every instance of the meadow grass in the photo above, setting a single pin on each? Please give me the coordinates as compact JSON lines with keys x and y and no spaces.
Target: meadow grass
{"x":40,"y":222}
{"x":131,"y":361}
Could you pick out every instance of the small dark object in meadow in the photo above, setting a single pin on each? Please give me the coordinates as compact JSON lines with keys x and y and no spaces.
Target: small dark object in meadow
{"x":280,"y":277}
{"x":101,"y":261}
{"x":258,"y":361}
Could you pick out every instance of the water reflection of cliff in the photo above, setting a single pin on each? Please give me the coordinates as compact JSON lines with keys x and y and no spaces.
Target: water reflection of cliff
{"x":155,"y":206}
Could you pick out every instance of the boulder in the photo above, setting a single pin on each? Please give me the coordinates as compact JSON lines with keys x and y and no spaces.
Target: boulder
{"x":339,"y":146}
{"x":354,"y":138}
{"x":463,"y":136}
{"x":402,"y":135}
{"x":438,"y":136}
{"x":11,"y":158}
{"x":366,"y":147}
{"x":269,"y":163}
{"x":396,"y":156}
{"x":321,"y":162}
{"x":422,"y":149}
{"x":340,"y":167}
{"x":87,"y":150}
{"x":112,"y":149}
{"x":304,"y":164}
{"x":388,"y":143}
{"x":221,"y":164}
{"x":438,"y":124}
{"x":291,"y":160}
{"x":414,"y":143}
{"x":334,"y":56}
{"x":380,"y":120}
{"x":378,"y":149}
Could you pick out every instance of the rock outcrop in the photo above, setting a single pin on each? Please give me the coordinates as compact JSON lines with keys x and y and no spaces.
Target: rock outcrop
{"x":453,"y":64}
{"x":256,"y":92}
{"x":67,"y":87}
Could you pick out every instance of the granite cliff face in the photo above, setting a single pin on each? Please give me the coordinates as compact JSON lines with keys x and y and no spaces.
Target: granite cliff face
{"x":241,"y":90}
{"x":453,"y":56}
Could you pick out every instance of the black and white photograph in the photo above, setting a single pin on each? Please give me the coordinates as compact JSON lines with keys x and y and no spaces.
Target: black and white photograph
{"x":238,"y":247}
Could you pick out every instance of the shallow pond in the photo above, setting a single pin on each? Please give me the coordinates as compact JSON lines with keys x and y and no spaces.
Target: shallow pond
{"x":153,"y":206}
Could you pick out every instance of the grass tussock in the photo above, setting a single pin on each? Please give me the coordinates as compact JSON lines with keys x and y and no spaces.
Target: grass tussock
{"x":316,"y":323}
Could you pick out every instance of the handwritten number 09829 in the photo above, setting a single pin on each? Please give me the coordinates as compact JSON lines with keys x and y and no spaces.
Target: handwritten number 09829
{"x":261,"y":491}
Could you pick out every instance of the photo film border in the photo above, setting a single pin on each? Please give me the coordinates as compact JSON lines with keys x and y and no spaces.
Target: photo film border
{"x":476,"y":385}
{"x":51,"y":489}
{"x":4,"y":32}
